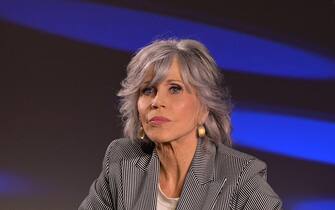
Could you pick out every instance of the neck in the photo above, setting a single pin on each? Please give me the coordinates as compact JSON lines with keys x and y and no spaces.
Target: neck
{"x":175,"y":159}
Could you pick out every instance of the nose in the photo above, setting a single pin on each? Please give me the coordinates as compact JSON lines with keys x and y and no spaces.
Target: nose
{"x":157,"y":101}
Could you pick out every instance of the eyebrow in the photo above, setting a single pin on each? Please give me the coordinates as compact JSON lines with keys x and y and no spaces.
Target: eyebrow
{"x":175,"y":80}
{"x":170,"y":80}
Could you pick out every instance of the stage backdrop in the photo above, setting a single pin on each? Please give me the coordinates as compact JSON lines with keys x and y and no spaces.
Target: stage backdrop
{"x":61,"y":64}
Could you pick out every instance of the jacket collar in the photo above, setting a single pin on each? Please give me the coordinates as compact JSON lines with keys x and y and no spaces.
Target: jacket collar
{"x":202,"y":165}
{"x":200,"y":183}
{"x":148,"y":157}
{"x":201,"y":187}
{"x":139,"y":179}
{"x":203,"y":162}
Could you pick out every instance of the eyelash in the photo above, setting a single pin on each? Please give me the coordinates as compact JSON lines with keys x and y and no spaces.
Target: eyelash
{"x":174,"y":89}
{"x":144,"y":90}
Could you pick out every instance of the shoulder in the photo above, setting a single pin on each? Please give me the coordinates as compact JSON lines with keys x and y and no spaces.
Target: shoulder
{"x":247,"y":177}
{"x":238,"y":161}
{"x":124,"y":148}
{"x":238,"y":167}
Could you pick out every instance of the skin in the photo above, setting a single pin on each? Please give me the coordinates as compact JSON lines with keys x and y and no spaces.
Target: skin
{"x":175,"y":140}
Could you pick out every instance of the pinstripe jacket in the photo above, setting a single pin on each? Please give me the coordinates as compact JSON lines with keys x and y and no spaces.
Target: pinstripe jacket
{"x":219,"y":178}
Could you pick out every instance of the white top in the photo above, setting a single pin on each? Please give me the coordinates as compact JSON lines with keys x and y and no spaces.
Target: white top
{"x":164,"y":202}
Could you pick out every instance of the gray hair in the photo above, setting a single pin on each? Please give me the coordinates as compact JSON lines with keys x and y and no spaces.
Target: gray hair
{"x":198,"y":69}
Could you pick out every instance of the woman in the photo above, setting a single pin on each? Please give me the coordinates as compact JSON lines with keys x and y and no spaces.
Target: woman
{"x":177,"y":152}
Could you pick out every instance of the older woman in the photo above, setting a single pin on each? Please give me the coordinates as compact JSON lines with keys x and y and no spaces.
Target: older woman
{"x":177,"y":152}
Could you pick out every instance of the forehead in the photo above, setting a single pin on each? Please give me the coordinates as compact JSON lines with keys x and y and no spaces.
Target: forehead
{"x":164,"y":72}
{"x":172,"y":72}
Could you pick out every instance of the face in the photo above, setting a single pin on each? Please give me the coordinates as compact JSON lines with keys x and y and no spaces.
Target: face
{"x":170,"y":110}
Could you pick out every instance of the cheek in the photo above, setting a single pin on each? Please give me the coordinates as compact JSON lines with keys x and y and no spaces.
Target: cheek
{"x":141,"y":108}
{"x":187,"y":110}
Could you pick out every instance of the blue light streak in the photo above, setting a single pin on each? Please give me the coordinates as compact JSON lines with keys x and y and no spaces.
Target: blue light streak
{"x":13,"y":185}
{"x":316,"y":204}
{"x":286,"y":135}
{"x":128,"y":30}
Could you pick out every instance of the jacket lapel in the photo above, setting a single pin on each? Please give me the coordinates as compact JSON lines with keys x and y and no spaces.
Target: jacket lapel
{"x":140,"y":175}
{"x":139,"y":181}
{"x":201,"y":187}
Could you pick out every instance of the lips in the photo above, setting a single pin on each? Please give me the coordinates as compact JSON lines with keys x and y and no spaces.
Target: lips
{"x":158,"y":120}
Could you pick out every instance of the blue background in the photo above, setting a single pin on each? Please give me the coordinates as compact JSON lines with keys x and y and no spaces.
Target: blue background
{"x":63,"y":61}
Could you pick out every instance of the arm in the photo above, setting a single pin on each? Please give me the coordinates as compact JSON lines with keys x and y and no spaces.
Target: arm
{"x":100,"y":196}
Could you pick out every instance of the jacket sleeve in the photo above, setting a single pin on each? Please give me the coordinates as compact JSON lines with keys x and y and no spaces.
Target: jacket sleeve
{"x":254,"y":192}
{"x":100,"y":196}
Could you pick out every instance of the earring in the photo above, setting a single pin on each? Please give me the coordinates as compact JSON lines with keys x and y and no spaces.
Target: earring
{"x":201,"y":131}
{"x":141,"y":133}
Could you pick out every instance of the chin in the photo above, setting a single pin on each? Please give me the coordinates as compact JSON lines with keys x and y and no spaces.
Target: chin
{"x":160,"y":138}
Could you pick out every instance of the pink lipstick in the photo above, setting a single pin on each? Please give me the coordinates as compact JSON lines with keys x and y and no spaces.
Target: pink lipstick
{"x":158,"y":120}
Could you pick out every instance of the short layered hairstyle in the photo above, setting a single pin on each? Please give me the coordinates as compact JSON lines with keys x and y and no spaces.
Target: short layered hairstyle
{"x":198,"y":69}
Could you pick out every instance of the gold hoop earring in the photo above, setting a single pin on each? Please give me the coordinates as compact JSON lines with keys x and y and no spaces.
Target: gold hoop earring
{"x":201,"y":131}
{"x":141,"y":133}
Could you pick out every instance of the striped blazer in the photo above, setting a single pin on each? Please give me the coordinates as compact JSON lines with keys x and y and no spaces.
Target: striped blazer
{"x":219,"y":178}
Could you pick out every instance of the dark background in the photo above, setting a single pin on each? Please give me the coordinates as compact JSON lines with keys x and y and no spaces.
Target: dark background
{"x":59,"y":109}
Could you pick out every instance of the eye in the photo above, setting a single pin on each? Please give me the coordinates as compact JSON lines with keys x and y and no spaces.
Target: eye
{"x":175,"y":89}
{"x":148,"y":91}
